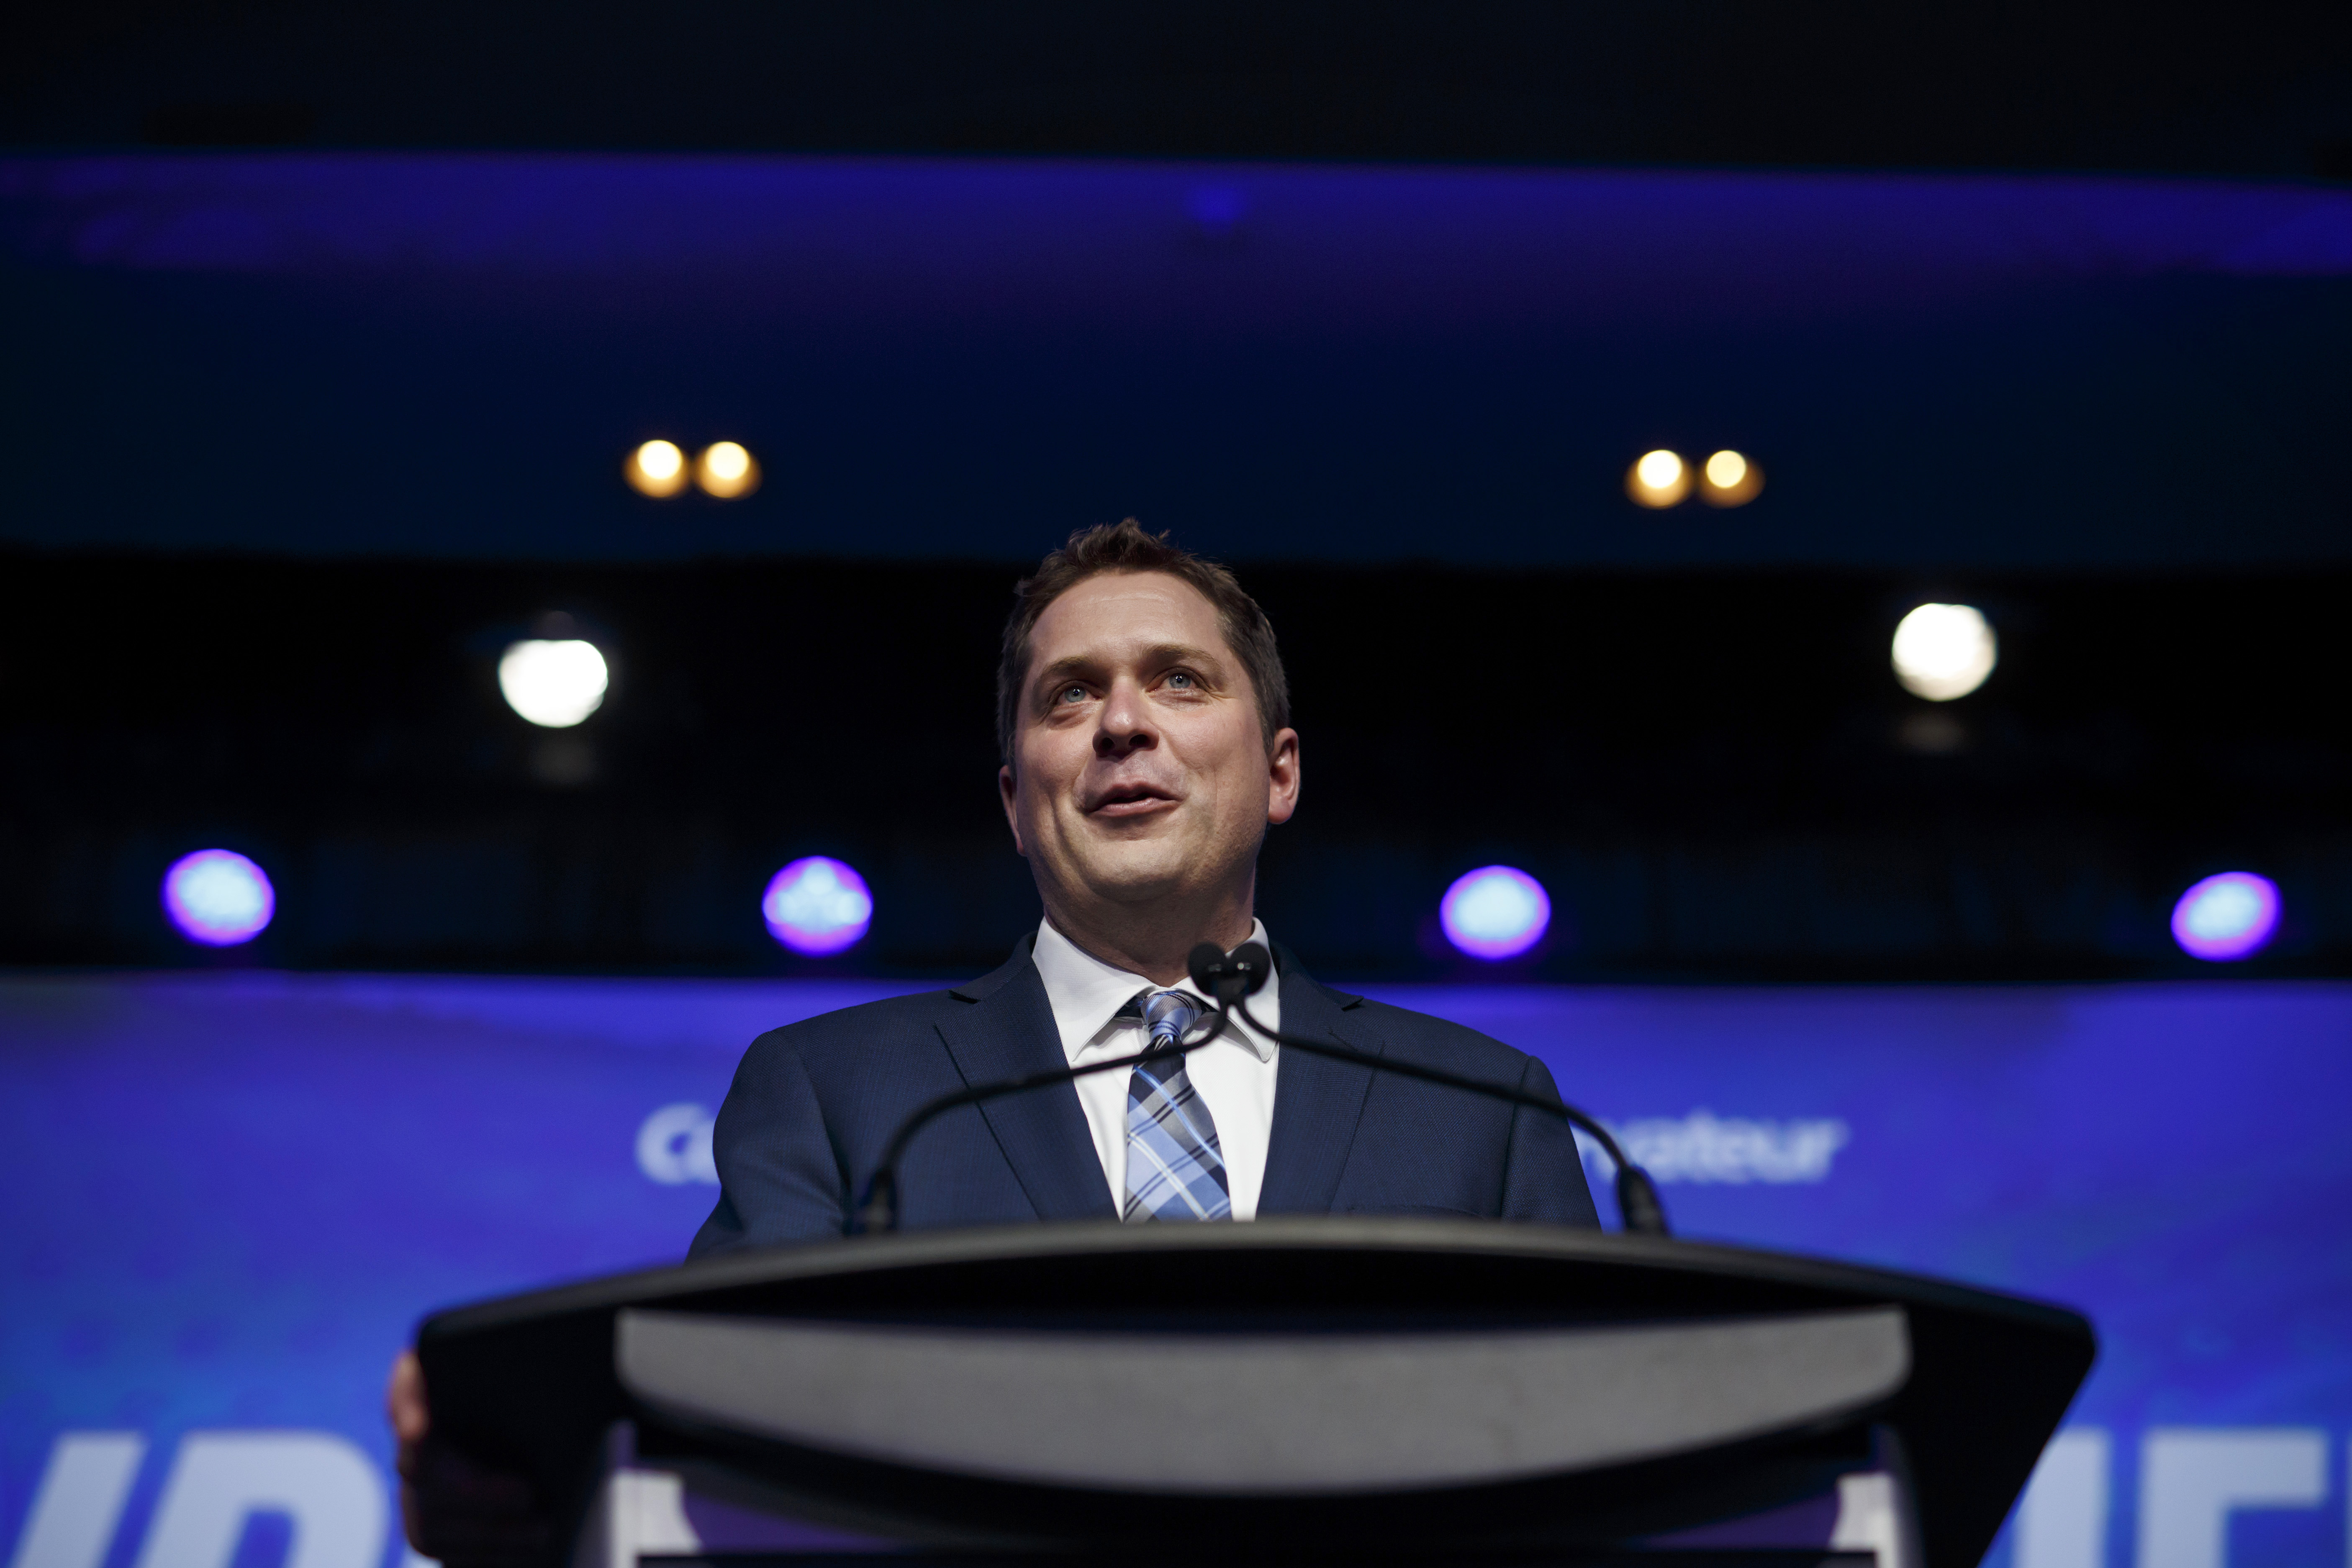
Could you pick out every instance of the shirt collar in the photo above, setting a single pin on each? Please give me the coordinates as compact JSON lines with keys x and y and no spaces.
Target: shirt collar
{"x":1085,"y":992}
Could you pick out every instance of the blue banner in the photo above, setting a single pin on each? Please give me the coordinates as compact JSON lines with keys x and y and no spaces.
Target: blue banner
{"x":227,"y":1199}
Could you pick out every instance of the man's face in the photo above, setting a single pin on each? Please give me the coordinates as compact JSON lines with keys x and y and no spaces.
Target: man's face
{"x":1142,"y":772}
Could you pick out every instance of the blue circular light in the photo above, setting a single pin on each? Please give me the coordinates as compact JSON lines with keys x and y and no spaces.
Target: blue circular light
{"x":1494,"y":912}
{"x":817,"y":906}
{"x":218,"y":897}
{"x":2226,"y":918}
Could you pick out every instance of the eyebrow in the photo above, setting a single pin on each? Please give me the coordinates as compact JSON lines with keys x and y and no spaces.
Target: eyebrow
{"x":1162,"y":653}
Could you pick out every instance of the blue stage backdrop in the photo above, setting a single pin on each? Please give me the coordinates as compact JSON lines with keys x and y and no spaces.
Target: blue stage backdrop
{"x":228,"y":1198}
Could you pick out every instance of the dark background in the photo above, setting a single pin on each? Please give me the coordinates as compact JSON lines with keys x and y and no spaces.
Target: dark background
{"x":328,"y":329}
{"x":2256,"y":88}
{"x":1714,"y":774}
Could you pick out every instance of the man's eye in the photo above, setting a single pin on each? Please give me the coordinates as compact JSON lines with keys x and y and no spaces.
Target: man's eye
{"x":1072,"y":694}
{"x":1181,"y":681}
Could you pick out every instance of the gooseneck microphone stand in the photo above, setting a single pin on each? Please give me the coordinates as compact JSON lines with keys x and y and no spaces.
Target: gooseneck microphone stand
{"x":1227,"y":979}
{"x":1231,"y":978}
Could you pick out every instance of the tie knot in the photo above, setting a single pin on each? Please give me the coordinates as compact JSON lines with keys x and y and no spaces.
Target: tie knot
{"x":1168,"y":1014}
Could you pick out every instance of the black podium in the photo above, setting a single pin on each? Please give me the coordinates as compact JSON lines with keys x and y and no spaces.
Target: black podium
{"x":1419,"y":1389}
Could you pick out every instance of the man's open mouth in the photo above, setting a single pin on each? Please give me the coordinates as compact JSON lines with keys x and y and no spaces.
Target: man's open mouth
{"x":1130,"y":800}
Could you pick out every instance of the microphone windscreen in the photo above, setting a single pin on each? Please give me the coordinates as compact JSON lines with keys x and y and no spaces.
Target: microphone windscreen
{"x":1252,"y":961}
{"x":1206,"y":964}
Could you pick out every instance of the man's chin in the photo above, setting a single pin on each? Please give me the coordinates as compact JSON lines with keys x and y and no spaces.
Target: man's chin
{"x":1133,"y":879}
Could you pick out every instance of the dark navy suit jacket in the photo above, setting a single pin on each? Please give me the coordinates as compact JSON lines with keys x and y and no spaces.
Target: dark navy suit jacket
{"x":813,"y":1104}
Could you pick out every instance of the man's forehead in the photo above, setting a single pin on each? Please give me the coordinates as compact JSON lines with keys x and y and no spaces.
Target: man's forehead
{"x":1125,"y":611}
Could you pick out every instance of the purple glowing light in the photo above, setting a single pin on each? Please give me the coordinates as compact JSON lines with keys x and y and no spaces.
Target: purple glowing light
{"x":2227,"y":917}
{"x":218,"y":897}
{"x":1494,"y":912}
{"x":817,"y":906}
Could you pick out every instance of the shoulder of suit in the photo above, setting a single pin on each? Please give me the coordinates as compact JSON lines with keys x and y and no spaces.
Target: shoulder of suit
{"x":1403,"y":1031}
{"x":872,"y":1023}
{"x":864,"y":1025}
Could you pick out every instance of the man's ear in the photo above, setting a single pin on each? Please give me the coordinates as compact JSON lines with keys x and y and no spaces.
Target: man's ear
{"x":1008,"y":794}
{"x":1282,"y":777}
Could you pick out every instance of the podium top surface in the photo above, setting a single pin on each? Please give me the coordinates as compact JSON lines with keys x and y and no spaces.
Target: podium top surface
{"x":532,"y":1377}
{"x":1291,"y":1263}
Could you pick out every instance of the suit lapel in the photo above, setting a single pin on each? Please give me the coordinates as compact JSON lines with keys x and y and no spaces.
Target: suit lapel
{"x":1006,"y":1030}
{"x":1316,"y":1103}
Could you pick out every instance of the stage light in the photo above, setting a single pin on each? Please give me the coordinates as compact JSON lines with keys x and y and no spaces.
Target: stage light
{"x":1729,"y":478}
{"x":817,"y":906}
{"x":726,"y":470}
{"x":1495,"y":912}
{"x":2228,"y":917}
{"x":555,"y":685}
{"x":1658,"y":479}
{"x":1943,"y":651}
{"x":218,"y":896}
{"x":658,"y":469}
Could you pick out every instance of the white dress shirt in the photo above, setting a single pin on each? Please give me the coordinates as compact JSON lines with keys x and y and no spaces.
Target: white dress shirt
{"x":1234,"y":1076}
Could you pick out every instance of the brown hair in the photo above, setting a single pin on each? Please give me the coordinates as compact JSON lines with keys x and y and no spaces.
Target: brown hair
{"x":1126,"y":547}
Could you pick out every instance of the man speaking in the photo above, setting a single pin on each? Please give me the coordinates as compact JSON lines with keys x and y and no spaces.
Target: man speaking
{"x":1144,"y":723}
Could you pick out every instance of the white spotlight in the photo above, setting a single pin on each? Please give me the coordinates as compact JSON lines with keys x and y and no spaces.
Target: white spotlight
{"x":1943,"y":651}
{"x":553,"y":684}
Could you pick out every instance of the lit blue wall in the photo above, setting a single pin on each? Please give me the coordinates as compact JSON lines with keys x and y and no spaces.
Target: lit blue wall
{"x":225,"y":1200}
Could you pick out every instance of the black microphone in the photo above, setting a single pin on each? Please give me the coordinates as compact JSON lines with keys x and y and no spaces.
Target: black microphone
{"x":1224,"y":977}
{"x":1230,"y":978}
{"x":878,"y":1212}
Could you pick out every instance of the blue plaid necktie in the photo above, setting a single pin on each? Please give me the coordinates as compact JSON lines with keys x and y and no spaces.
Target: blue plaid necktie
{"x":1174,"y":1168}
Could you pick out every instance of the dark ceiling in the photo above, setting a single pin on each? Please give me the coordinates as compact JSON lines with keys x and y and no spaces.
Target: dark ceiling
{"x":2255,"y":88}
{"x":447,"y":354}
{"x":1306,"y":282}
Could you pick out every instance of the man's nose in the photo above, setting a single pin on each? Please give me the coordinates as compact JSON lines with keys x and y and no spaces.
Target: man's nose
{"x":1125,"y":726}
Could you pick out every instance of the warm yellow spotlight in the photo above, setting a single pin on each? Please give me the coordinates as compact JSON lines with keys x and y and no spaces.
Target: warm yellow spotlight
{"x":1658,"y":479}
{"x":726,"y":470}
{"x":1731,"y":479}
{"x":658,"y":469}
